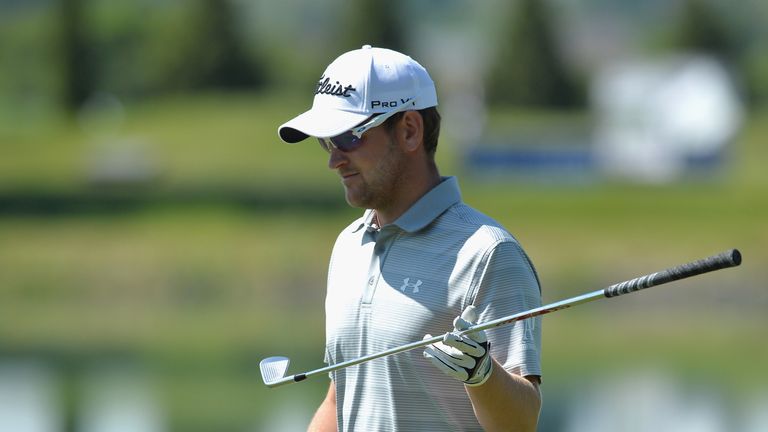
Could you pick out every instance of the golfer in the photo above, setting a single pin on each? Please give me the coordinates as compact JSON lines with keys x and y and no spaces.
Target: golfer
{"x":417,"y":262}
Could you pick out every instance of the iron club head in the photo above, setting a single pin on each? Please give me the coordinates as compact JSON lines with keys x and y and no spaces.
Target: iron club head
{"x":273,"y":369}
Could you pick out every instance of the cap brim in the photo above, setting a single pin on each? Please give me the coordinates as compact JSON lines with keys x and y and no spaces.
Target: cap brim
{"x":319,"y":123}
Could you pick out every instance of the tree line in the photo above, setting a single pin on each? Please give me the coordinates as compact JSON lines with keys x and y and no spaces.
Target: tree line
{"x":201,"y":46}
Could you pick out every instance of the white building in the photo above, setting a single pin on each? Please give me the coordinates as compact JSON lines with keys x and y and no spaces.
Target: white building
{"x":658,"y":119}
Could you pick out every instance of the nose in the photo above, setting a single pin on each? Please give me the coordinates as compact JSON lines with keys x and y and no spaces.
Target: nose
{"x":336,"y":159}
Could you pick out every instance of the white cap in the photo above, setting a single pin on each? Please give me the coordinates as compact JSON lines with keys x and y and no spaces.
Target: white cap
{"x":357,"y":85}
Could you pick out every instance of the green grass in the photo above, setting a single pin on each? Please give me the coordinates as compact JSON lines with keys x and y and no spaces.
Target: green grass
{"x":200,"y":297}
{"x":196,"y":298}
{"x":157,"y":280}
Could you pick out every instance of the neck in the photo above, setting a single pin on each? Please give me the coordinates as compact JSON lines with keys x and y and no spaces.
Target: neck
{"x":412,"y":189}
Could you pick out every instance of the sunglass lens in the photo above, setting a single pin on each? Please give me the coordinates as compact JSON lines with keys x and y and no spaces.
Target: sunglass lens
{"x":346,"y":142}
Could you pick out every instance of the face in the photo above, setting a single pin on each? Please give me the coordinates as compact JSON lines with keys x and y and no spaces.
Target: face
{"x":371,"y":174}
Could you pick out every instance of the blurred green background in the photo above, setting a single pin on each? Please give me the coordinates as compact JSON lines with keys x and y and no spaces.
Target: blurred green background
{"x":157,"y":240}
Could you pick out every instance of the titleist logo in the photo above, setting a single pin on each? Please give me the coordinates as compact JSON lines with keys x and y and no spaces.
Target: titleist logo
{"x":324,"y":86}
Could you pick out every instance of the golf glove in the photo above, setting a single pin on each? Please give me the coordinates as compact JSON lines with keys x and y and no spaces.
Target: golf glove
{"x":465,"y":358}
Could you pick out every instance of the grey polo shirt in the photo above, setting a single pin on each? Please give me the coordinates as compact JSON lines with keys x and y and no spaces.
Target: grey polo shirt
{"x":392,"y":285}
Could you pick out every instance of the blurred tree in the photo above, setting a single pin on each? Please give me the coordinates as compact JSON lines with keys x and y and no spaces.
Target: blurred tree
{"x":756,"y":74}
{"x":220,"y":57}
{"x":703,"y":29}
{"x":372,"y":22}
{"x":76,"y":71}
{"x":529,"y":70}
{"x":196,"y":46}
{"x":115,"y":31}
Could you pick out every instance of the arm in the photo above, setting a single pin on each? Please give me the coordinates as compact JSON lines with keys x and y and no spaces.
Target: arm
{"x":325,"y":417}
{"x":500,"y":400}
{"x":506,"y":402}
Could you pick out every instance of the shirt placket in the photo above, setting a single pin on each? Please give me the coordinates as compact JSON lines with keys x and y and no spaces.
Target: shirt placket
{"x":383,"y":242}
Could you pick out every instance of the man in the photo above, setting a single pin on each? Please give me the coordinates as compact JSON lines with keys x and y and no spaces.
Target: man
{"x":418,"y":261}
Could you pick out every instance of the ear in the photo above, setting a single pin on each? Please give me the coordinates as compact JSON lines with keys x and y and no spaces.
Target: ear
{"x":412,"y":131}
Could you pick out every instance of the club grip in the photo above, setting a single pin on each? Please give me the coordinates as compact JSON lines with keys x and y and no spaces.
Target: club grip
{"x":731,"y":258}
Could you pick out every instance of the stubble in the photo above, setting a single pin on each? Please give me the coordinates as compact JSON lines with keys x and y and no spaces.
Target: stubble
{"x":378,"y":188}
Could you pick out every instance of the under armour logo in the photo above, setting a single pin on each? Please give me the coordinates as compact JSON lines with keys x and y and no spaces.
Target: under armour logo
{"x":414,"y":286}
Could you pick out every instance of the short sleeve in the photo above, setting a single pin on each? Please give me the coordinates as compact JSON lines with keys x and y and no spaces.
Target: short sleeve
{"x":506,"y":284}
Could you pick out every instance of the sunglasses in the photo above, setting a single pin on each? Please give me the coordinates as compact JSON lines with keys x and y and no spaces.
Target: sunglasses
{"x":352,"y":139}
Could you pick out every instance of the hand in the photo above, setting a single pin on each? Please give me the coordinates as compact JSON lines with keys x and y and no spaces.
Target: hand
{"x":465,"y":358}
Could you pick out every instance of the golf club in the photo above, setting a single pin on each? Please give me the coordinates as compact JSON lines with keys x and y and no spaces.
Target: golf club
{"x":273,"y":368}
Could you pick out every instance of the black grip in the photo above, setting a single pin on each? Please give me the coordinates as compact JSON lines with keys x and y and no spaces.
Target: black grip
{"x":730,"y":258}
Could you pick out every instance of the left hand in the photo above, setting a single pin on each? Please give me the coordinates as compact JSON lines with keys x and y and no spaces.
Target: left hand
{"x":465,"y":358}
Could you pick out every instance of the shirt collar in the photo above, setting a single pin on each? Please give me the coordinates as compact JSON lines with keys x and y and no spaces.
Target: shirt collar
{"x":423,"y":211}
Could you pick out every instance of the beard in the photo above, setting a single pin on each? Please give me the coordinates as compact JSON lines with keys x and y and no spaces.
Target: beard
{"x":379,"y":187}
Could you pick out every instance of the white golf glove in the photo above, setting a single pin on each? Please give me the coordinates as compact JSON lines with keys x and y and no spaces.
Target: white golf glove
{"x":465,"y":358}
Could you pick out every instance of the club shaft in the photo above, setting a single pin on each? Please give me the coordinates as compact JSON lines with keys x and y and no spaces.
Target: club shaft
{"x":353,"y":362}
{"x":552,"y":307}
{"x":726,"y":259}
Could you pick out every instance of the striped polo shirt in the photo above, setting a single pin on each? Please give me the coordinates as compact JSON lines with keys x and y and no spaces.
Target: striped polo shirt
{"x":391,"y":285}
